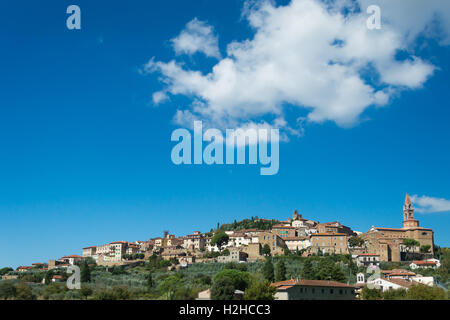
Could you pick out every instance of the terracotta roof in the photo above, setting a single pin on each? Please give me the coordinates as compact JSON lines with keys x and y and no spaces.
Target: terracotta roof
{"x":398,"y":272}
{"x":24,"y":267}
{"x":90,"y":247}
{"x":56,"y":277}
{"x":424,"y":262}
{"x":311,"y":283}
{"x":401,"y":229}
{"x":395,"y":229}
{"x":116,"y":242}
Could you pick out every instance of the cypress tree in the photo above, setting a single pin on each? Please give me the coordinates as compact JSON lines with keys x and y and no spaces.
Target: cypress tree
{"x":281,"y":271}
{"x":268,"y":270}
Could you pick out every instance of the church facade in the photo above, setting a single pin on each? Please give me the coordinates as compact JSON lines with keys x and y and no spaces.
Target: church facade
{"x":387,"y":242}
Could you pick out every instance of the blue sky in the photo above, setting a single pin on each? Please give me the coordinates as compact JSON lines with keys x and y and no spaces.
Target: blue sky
{"x":85,"y":152}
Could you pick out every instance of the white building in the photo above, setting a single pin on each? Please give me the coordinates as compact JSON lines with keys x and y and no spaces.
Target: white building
{"x":297,"y":243}
{"x":392,"y":284}
{"x":429,"y":263}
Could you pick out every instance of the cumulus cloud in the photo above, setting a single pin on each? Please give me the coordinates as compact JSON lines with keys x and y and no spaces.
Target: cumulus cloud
{"x":198,"y":36}
{"x":311,"y":54}
{"x":425,"y":204}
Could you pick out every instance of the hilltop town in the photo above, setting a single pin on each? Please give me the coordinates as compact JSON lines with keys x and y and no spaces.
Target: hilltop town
{"x":256,"y":240}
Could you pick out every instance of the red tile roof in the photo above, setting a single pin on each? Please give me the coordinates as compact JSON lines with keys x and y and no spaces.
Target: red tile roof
{"x":424,"y":262}
{"x":72,"y":256}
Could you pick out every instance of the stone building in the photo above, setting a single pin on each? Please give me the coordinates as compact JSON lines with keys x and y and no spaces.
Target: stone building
{"x":284,"y":231}
{"x":334,"y":227}
{"x":387,"y":242}
{"x":332,"y":243}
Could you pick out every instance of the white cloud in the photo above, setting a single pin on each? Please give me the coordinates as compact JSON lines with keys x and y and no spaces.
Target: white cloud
{"x":198,"y":36}
{"x":159,"y":97}
{"x":309,"y":55}
{"x":425,"y":204}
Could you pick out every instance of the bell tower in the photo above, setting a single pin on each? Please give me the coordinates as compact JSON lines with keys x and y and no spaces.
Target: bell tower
{"x":408,"y":214}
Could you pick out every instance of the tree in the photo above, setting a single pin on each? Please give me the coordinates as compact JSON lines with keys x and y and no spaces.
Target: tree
{"x":266,"y":250}
{"x":164,"y":263}
{"x":7,"y":290}
{"x":337,"y":274}
{"x":223,"y":289}
{"x":154,"y":261}
{"x":85,"y":291}
{"x":410,"y":243}
{"x":48,"y":277}
{"x":325,"y":269}
{"x":240,"y":279}
{"x":424,"y":292}
{"x":425,"y":249}
{"x":169,"y":285}
{"x":220,"y":239}
{"x":260,"y":290}
{"x":355,"y":241}
{"x":85,"y":272}
{"x":121,"y":293}
{"x":398,"y":294}
{"x":268,"y":271}
{"x":370,"y":294}
{"x":54,"y":291}
{"x":116,"y":293}
{"x":23,"y":292}
{"x":280,"y":274}
{"x":149,"y":280}
{"x":307,"y":271}
{"x":5,"y":270}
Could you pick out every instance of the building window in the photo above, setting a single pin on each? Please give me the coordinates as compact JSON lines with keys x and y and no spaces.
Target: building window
{"x":331,"y":291}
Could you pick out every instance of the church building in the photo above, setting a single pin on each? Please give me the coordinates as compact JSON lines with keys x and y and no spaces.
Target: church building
{"x":387,"y":242}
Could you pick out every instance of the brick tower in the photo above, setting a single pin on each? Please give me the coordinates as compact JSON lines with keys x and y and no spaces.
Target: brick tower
{"x":408,"y":214}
